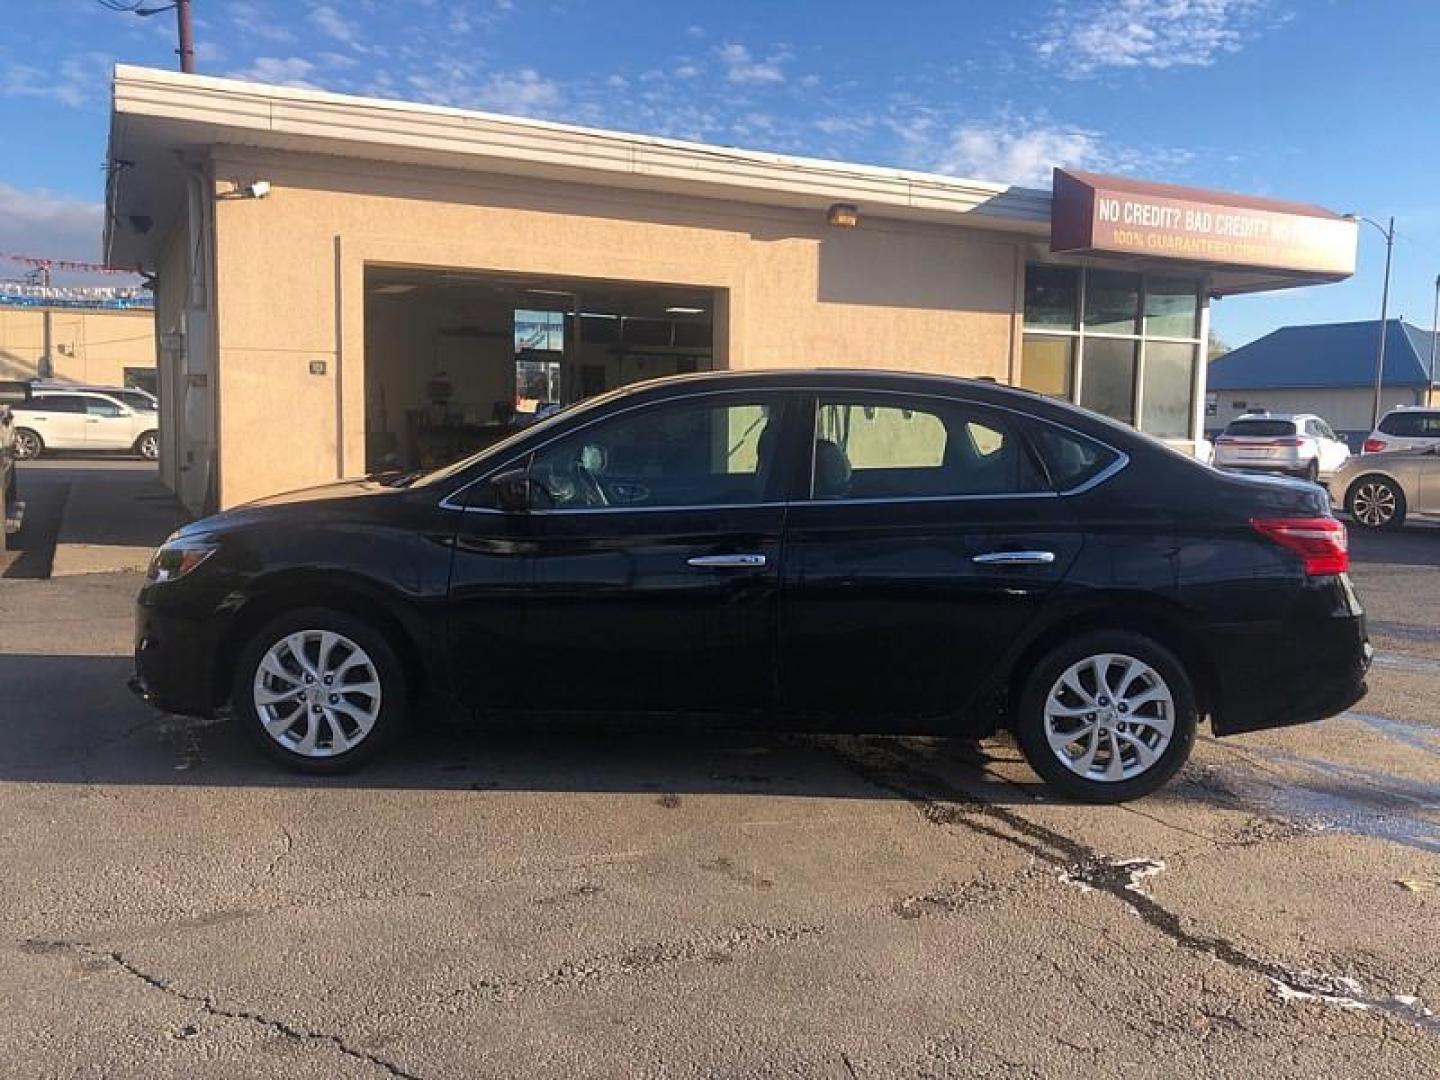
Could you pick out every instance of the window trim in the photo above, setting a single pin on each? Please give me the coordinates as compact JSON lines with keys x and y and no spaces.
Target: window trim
{"x":455,"y":500}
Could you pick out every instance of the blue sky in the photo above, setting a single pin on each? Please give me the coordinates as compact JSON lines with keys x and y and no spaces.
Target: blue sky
{"x":1326,"y":101}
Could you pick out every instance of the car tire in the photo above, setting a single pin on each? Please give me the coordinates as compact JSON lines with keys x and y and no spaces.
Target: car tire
{"x":148,"y":445}
{"x":1375,"y":502}
{"x":289,"y":659}
{"x":1147,"y":721}
{"x":1312,"y":471}
{"x":28,"y":444}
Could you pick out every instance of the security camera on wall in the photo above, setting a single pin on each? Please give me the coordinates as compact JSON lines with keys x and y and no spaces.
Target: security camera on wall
{"x":257,"y":189}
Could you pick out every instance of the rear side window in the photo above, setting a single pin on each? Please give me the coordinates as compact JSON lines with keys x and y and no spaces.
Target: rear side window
{"x":1070,"y":458}
{"x":1412,"y":425}
{"x":895,"y":448}
{"x":58,"y":403}
{"x":1260,"y":429}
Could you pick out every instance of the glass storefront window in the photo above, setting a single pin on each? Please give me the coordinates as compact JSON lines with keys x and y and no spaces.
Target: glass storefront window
{"x":1107,"y":379}
{"x":1047,"y":365}
{"x":1136,"y":346}
{"x":1052,"y":294}
{"x":1112,"y":302}
{"x":1168,"y":393}
{"x":1172,"y":308}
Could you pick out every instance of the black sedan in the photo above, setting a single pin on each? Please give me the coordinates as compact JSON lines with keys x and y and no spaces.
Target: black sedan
{"x":816,"y":550}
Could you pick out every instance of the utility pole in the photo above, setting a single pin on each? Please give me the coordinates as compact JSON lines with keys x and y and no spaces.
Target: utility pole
{"x":46,"y":368}
{"x":187,"y":36}
{"x":1434,"y":333}
{"x":1389,"y":234}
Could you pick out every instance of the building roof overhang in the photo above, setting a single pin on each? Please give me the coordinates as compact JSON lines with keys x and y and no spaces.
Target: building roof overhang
{"x":163,"y":123}
{"x":160,"y":120}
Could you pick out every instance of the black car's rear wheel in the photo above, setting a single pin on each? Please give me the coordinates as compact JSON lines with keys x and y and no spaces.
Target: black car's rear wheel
{"x":1375,"y":503}
{"x":319,"y":690}
{"x":1107,"y":716}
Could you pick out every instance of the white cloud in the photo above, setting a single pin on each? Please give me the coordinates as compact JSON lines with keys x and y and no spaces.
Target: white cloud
{"x":284,"y":71}
{"x":76,"y":81}
{"x":523,"y":93}
{"x":1011,"y":149}
{"x":34,"y":221}
{"x":330,"y":22}
{"x":686,"y":71}
{"x":255,"y":23}
{"x":742,"y":67}
{"x":1088,"y":36}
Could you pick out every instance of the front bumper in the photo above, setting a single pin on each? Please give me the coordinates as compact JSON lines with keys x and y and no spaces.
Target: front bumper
{"x":174,"y":658}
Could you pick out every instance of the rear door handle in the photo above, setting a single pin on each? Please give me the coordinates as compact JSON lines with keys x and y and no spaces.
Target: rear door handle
{"x":1015,"y":558}
{"x":725,"y":560}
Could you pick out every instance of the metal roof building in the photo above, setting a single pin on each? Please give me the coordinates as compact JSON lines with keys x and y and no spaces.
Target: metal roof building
{"x":1328,"y":368}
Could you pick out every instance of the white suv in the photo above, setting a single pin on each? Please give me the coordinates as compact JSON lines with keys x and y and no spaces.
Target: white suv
{"x":1410,"y":427}
{"x":83,"y":420}
{"x":1300,"y":444}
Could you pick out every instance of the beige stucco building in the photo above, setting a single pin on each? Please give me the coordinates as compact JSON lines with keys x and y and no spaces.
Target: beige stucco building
{"x":102,"y":348}
{"x":344,"y":284}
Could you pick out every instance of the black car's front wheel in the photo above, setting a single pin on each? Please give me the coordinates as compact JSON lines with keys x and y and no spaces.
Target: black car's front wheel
{"x":1107,"y":716}
{"x":320,"y":691}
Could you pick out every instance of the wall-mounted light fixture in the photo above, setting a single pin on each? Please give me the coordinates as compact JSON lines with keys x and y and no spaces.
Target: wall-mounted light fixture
{"x":843,"y":215}
{"x":255,"y":189}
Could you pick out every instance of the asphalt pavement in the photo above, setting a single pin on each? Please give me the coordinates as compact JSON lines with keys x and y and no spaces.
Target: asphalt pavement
{"x":563,"y":901}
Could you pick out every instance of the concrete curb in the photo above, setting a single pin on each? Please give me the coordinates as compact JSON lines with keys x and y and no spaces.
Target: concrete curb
{"x":71,"y":559}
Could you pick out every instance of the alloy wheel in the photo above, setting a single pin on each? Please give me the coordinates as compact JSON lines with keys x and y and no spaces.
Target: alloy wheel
{"x":149,"y":447}
{"x":317,"y":693}
{"x":1373,"y":504}
{"x":27,"y":445}
{"x":1109,"y":717}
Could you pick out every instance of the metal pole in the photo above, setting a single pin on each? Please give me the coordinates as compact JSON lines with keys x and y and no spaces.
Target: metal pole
{"x":46,"y":368}
{"x":1384,"y":313}
{"x":187,"y":36}
{"x":1434,"y":334}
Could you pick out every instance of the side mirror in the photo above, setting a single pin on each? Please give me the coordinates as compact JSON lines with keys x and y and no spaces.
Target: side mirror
{"x":512,"y":490}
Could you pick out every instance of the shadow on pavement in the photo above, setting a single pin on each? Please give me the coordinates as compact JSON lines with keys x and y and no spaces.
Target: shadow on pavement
{"x":79,"y":724}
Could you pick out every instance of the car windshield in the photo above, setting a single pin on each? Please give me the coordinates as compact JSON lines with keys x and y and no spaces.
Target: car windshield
{"x":499,"y":449}
{"x":1261,"y":427}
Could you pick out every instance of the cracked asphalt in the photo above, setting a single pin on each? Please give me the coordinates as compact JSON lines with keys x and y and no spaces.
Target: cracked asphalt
{"x":580,"y":902}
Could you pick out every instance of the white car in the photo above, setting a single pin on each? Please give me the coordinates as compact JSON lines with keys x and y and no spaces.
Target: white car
{"x":83,"y":420}
{"x":1410,"y":427}
{"x":1300,"y":444}
{"x":126,"y":395}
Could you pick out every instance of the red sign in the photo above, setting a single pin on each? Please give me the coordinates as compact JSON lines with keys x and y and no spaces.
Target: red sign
{"x":1112,"y":215}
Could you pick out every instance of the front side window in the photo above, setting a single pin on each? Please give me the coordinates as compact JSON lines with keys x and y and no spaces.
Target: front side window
{"x":695,"y":452}
{"x":101,"y":407}
{"x":896,"y":449}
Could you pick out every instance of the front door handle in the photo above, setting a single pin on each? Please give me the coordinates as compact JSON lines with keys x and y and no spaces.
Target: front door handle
{"x":1015,"y":558}
{"x":725,"y":560}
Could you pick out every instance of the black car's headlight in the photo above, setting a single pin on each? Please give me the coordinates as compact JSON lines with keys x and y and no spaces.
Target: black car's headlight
{"x":176,"y":558}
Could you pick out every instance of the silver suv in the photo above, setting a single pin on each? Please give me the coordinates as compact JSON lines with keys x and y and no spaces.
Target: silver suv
{"x":1410,"y":427}
{"x":1300,"y":444}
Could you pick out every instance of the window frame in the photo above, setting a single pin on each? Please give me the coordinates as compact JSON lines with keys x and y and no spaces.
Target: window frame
{"x":799,"y":399}
{"x":1079,"y":333}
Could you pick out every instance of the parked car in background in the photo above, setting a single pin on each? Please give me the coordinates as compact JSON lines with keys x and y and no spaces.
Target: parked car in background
{"x":1410,"y":427}
{"x":1297,"y":444}
{"x":12,"y":510}
{"x":133,"y":396}
{"x":831,"y":550}
{"x":1384,"y":490}
{"x":84,"y":420}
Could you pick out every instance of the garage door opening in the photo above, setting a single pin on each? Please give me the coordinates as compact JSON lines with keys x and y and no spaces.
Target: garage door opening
{"x":456,"y":361}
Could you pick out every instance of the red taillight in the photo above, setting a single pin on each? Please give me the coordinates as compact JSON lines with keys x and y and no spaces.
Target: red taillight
{"x":1321,"y":542}
{"x":1288,"y":442}
{"x":1373,"y":446}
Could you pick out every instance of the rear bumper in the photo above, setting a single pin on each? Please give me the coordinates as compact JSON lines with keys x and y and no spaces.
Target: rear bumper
{"x":1294,"y":672}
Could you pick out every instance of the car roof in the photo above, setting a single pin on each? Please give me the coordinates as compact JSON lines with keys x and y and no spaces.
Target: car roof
{"x":1274,"y":416}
